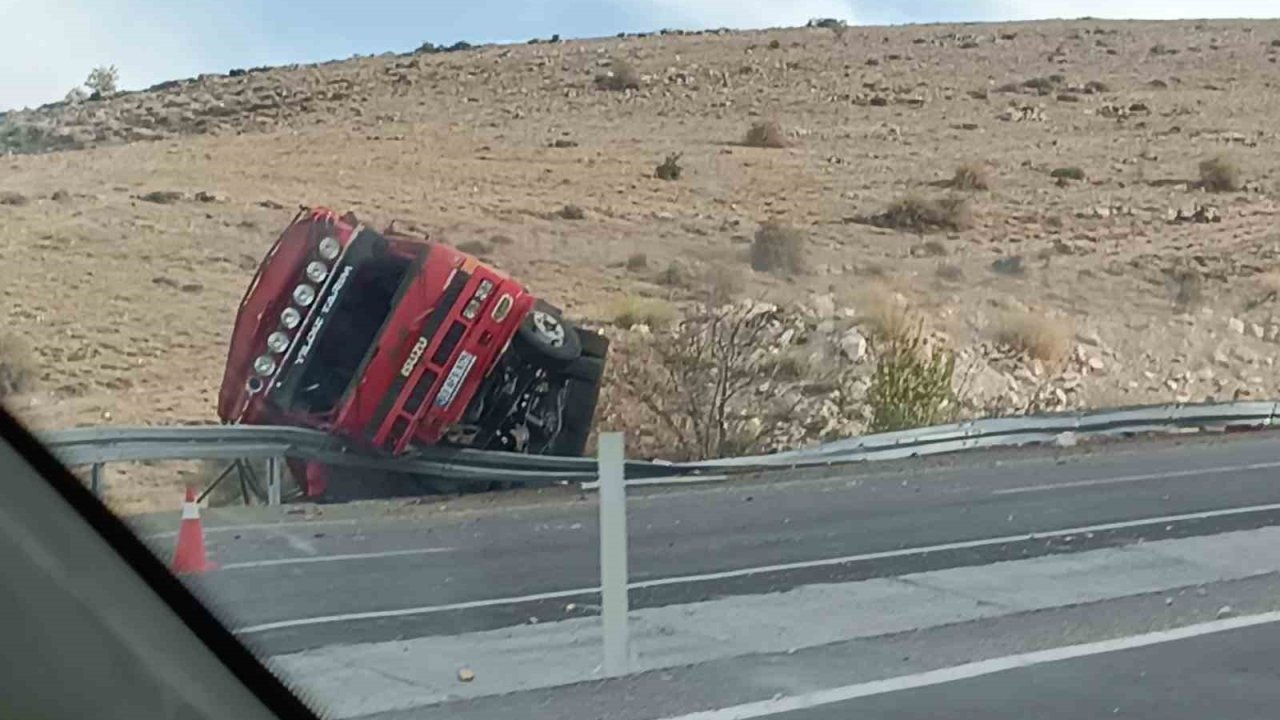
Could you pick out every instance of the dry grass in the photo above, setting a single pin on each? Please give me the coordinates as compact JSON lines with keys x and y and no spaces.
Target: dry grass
{"x":766,"y":135}
{"x":670,"y":168}
{"x":923,"y":214}
{"x":1219,"y":174}
{"x":1041,"y":337}
{"x":778,"y":248}
{"x":1067,"y":173}
{"x":479,"y":248}
{"x":631,"y":310}
{"x":972,"y":176}
{"x":886,"y":315}
{"x":18,"y":366}
{"x":621,"y":76}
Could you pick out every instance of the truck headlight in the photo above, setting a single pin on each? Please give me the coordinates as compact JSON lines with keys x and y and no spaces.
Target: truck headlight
{"x":290,"y":318}
{"x":317,"y":271}
{"x":472,"y":309}
{"x":278,"y":342}
{"x":264,"y":365}
{"x":486,"y":287}
{"x":304,"y":295}
{"x":330,"y":248}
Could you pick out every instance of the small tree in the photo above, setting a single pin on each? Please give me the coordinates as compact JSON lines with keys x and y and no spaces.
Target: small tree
{"x":102,"y":80}
{"x":912,"y":383}
{"x":696,"y":381}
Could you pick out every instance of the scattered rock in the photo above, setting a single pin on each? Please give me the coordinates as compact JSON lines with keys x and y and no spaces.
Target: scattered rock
{"x":60,"y":196}
{"x":270,"y":205}
{"x":11,"y":197}
{"x":466,"y":674}
{"x":1236,"y":325}
{"x":205,"y":196}
{"x":853,"y":345}
{"x":1225,"y":611}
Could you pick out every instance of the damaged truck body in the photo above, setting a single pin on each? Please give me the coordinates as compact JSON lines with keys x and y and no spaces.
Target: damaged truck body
{"x":393,"y":342}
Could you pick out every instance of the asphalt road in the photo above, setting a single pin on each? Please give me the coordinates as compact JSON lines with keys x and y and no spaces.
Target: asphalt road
{"x":515,"y":550}
{"x":382,"y":573}
{"x":1230,"y":674}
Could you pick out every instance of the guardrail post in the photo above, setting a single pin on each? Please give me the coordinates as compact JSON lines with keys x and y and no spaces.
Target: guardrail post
{"x":613,"y":555}
{"x":275,"y":478}
{"x":95,"y":479}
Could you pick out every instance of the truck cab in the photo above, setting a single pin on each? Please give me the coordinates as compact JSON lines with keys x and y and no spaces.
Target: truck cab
{"x":393,"y":341}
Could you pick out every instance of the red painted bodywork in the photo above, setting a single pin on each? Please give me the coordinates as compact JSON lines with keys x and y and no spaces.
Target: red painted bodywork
{"x":357,"y":415}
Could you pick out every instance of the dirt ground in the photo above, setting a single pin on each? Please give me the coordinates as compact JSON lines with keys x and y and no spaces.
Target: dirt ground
{"x":129,"y":302}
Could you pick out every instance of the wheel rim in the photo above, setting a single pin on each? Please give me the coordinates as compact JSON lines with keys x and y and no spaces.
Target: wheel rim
{"x":548,"y":328}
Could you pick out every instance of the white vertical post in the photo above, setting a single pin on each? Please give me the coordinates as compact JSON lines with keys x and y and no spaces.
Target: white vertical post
{"x":613,"y":555}
{"x":275,"y":472}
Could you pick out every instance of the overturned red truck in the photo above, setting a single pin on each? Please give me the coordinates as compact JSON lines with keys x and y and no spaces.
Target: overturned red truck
{"x":394,"y":341}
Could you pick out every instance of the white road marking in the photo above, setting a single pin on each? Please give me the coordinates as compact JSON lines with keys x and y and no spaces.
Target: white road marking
{"x":333,"y":558}
{"x":766,"y":708}
{"x":746,"y":572}
{"x":1137,"y":478}
{"x":379,"y":614}
{"x":257,"y":526}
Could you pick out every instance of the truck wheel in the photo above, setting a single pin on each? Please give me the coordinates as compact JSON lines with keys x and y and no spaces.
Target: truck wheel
{"x":546,"y":340}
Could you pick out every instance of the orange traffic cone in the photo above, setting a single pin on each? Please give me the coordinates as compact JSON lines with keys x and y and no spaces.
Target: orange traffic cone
{"x":189,"y":555}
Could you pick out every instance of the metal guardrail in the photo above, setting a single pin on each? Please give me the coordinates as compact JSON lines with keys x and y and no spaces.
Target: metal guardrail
{"x":98,"y":445}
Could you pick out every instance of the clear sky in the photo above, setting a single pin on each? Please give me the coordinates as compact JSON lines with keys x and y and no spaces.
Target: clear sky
{"x":48,"y":46}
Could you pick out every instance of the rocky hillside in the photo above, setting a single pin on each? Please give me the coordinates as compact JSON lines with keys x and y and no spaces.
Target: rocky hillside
{"x":1085,"y":212}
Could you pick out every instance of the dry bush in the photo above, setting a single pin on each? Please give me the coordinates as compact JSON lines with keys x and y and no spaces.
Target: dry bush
{"x":886,"y":315}
{"x":1067,"y":173}
{"x":1187,"y":288}
{"x":571,"y":212}
{"x":922,"y":214}
{"x":1037,"y":336}
{"x":972,"y":176}
{"x":693,"y":383}
{"x":722,"y":284}
{"x":637,"y":261}
{"x":778,"y":248}
{"x":1219,"y":174}
{"x":631,"y":310}
{"x":766,"y":135}
{"x":670,"y":168}
{"x":18,"y":366}
{"x":912,"y":385}
{"x":621,"y":76}
{"x":1269,"y":283}
{"x":950,"y":272}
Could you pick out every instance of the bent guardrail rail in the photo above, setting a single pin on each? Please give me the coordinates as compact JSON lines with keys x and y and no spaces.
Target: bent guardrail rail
{"x":95,"y":446}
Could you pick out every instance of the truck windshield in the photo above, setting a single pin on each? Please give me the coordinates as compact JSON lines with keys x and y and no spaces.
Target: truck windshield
{"x":348,"y":333}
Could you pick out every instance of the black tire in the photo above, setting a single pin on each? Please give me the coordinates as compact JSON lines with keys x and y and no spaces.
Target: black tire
{"x":581,"y":397}
{"x":593,"y":343}
{"x":546,"y":340}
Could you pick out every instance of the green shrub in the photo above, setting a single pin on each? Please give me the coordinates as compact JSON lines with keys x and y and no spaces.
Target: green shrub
{"x":912,"y":383}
